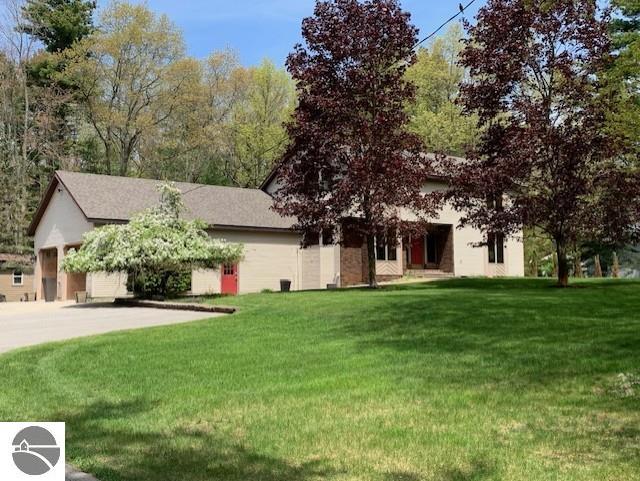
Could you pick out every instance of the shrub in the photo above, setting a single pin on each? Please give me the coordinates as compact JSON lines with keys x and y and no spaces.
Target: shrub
{"x":166,"y":284}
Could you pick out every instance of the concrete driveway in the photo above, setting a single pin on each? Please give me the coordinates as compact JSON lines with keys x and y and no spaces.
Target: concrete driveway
{"x":27,"y":324}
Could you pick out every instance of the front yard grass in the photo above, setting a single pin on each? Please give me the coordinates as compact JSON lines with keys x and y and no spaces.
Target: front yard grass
{"x":453,"y":380}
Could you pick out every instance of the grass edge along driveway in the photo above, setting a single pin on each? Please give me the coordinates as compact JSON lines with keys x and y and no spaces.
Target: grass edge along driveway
{"x":454,"y":380}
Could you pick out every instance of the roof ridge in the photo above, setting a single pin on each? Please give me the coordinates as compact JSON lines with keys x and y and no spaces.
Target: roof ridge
{"x":195,"y":184}
{"x":108,"y":198}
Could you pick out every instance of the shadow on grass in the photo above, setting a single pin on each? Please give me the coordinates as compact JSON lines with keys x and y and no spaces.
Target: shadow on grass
{"x":477,"y":470}
{"x":515,"y":329}
{"x":194,"y":452}
{"x":506,"y":283}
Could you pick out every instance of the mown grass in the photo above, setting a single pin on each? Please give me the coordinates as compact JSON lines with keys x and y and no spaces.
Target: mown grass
{"x":454,"y":380}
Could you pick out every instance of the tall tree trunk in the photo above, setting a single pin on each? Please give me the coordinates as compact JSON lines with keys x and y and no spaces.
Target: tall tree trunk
{"x":597,"y":266}
{"x":371,"y":261}
{"x":577,"y":262}
{"x":615,"y":267}
{"x":577,"y":267}
{"x":24,"y":161}
{"x":125,"y":156}
{"x":563,"y":264}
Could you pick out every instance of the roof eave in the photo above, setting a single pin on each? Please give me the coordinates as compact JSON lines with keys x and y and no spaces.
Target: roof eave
{"x":42,"y":206}
{"x":95,"y":220}
{"x":290,"y":230}
{"x":269,"y":179}
{"x":44,"y":203}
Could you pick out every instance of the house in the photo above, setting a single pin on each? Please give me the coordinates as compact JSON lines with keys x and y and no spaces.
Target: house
{"x":75,"y":203}
{"x":16,"y":277}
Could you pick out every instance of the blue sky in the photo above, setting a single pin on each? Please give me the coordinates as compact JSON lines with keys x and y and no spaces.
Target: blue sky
{"x":269,"y":28}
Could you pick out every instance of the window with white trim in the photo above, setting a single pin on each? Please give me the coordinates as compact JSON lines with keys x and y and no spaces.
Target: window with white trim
{"x":17,"y":278}
{"x":495,"y":244}
{"x":385,"y":250}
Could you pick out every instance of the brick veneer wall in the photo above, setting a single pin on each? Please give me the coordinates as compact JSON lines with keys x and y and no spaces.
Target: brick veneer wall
{"x":364,"y":275}
{"x":350,"y":265}
{"x":351,"y":256}
{"x":353,"y":259}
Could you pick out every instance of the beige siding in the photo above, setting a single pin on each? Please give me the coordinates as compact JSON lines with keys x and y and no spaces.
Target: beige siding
{"x":205,"y":281}
{"x":62,"y":224}
{"x":310,"y":276}
{"x":496,"y":270}
{"x":513,"y":260}
{"x":271,"y":256}
{"x":470,"y":260}
{"x":15,"y":293}
{"x":514,"y":251}
{"x":391,"y":268}
{"x":106,"y":286}
{"x":329,"y":265}
{"x":268,"y":257}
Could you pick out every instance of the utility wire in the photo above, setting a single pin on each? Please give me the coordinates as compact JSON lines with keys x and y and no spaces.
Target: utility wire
{"x":453,"y":17}
{"x":461,"y":9}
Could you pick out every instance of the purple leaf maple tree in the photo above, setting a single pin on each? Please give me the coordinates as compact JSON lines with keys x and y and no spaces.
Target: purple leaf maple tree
{"x":350,"y":154}
{"x":546,"y":158}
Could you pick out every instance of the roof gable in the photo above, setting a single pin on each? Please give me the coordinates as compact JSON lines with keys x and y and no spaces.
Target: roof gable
{"x":108,"y":199}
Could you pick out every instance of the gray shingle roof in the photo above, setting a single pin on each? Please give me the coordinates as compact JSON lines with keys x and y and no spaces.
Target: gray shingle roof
{"x":110,"y":198}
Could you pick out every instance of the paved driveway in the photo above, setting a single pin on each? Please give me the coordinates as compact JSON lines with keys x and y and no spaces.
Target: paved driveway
{"x":27,"y":324}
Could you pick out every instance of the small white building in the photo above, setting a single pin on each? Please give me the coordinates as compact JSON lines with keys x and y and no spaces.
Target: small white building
{"x":76,"y":203}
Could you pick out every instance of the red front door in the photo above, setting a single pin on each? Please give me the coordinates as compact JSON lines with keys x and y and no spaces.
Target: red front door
{"x":417,"y":251}
{"x":229,"y":279}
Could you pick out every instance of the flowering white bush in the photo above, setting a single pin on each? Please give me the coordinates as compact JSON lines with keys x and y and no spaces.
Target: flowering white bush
{"x":154,"y":241}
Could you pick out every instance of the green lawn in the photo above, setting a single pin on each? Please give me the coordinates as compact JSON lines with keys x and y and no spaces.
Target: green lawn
{"x":455,"y":380}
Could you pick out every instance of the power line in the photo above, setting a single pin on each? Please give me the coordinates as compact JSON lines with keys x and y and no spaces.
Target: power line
{"x":444,"y":24}
{"x":453,"y":17}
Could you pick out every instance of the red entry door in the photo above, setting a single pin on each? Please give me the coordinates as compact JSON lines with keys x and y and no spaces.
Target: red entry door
{"x":229,"y":279}
{"x":417,"y":251}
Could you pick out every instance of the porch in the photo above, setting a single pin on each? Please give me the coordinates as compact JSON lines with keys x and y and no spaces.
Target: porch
{"x":431,"y":254}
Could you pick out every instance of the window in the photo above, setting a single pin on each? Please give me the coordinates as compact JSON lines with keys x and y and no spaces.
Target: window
{"x":495,"y":244}
{"x":327,"y":237}
{"x":386,"y":251}
{"x":17,"y":279}
{"x":392,"y":252}
{"x":381,"y":249}
{"x":494,"y":202}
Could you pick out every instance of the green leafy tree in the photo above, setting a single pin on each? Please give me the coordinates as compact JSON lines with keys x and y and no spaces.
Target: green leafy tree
{"x":58,"y":23}
{"x":32,"y":140}
{"x":435,"y":116}
{"x":228,"y":127}
{"x":130,"y":76}
{"x":156,"y":242}
{"x":257,"y":127}
{"x":194,"y":145}
{"x":537,"y":248}
{"x":624,"y":74}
